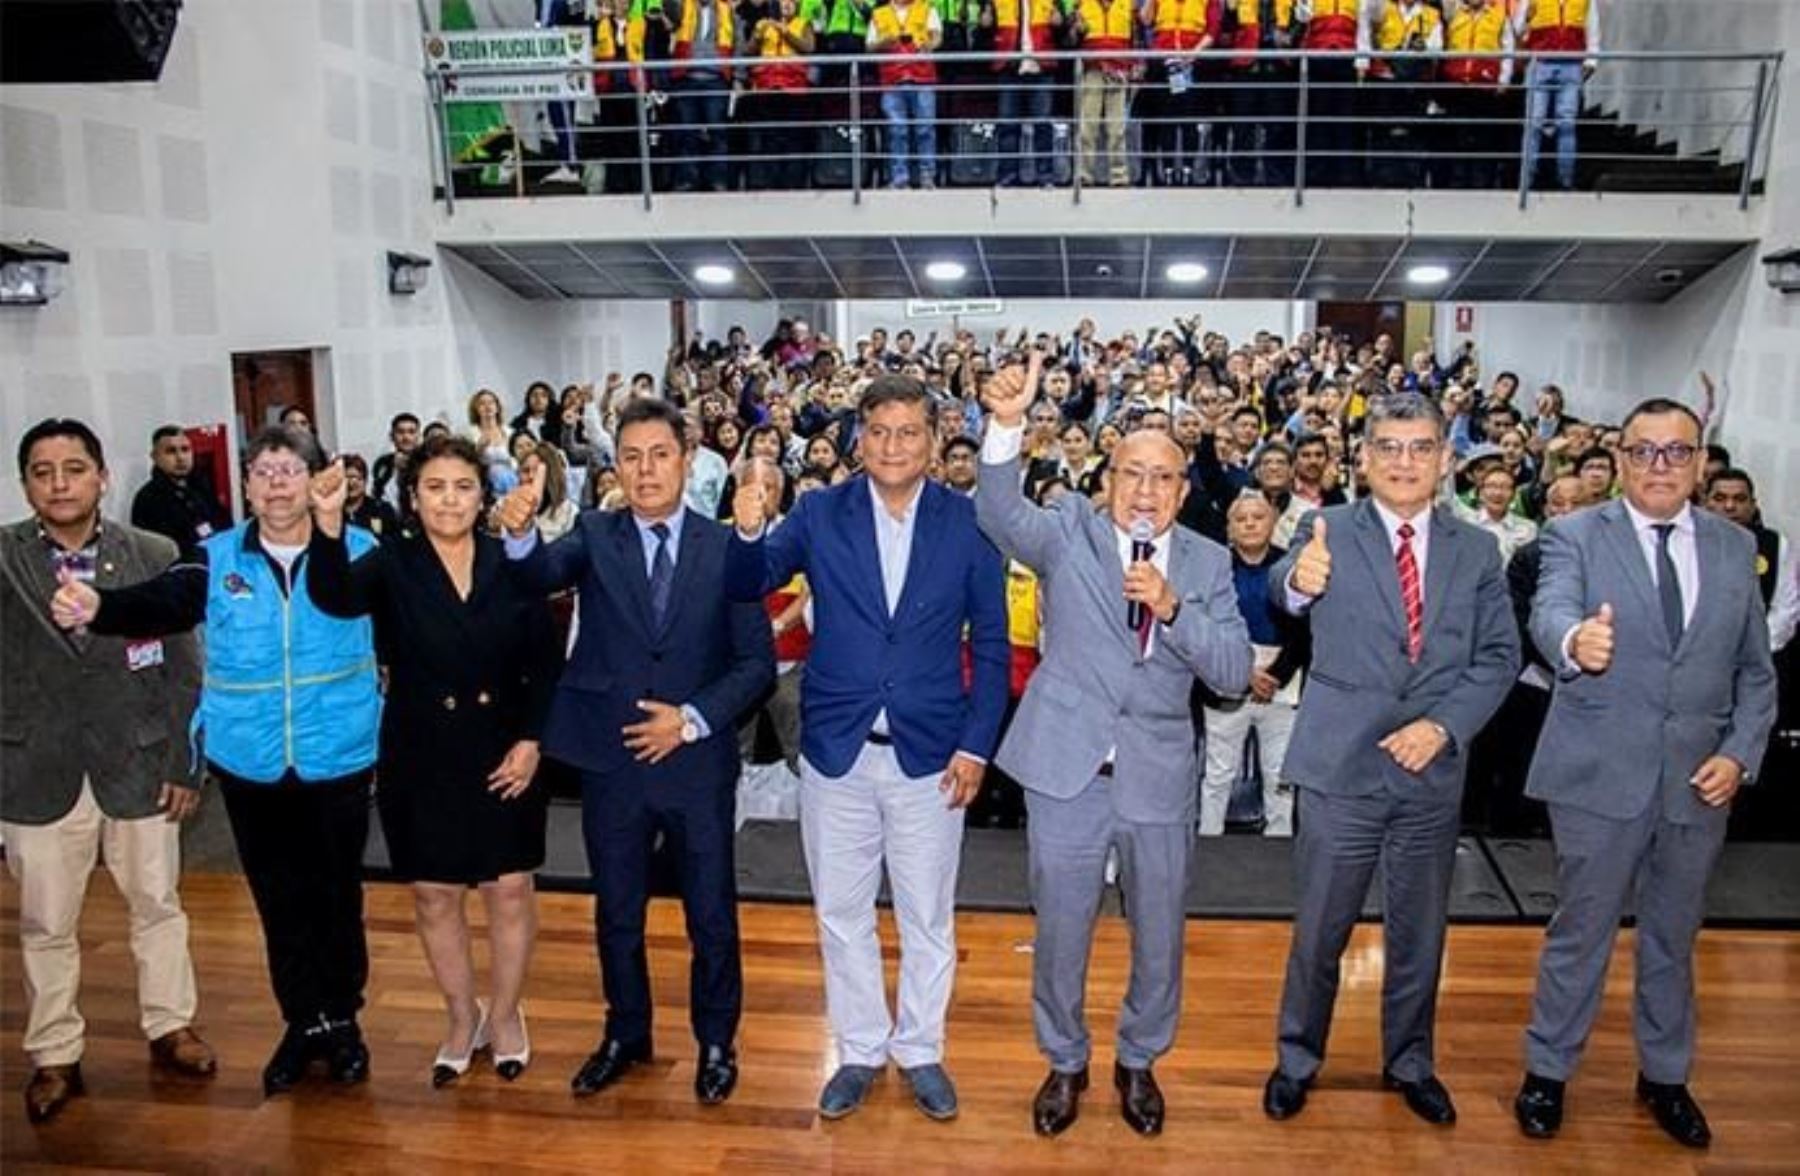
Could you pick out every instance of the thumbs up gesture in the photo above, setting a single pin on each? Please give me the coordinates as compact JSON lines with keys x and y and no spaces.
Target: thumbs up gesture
{"x":1312,"y":570}
{"x":1592,"y":645}
{"x":1012,"y":389}
{"x":75,"y":603}
{"x":517,"y":512}
{"x":750,"y":507}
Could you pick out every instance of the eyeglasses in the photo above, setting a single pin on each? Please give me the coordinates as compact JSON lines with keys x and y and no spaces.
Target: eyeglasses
{"x":1420,"y":449}
{"x":1676,"y":455}
{"x":284,"y":472}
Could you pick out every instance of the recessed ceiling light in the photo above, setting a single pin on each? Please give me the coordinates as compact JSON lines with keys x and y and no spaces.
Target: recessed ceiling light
{"x":1186,"y":271}
{"x":714,"y":275}
{"x":1427,"y":275}
{"x":945,"y":271}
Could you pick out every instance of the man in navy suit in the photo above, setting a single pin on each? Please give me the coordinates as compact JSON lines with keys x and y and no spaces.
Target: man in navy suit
{"x":647,"y":711}
{"x":894,"y":743}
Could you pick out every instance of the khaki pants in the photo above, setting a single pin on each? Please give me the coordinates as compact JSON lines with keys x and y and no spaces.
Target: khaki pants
{"x":51,"y":864}
{"x":1104,"y":98}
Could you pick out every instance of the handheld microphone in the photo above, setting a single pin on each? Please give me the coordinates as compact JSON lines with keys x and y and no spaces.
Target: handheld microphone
{"x":1142,"y":532}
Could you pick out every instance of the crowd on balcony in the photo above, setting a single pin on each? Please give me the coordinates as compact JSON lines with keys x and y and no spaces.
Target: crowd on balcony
{"x":985,"y":92}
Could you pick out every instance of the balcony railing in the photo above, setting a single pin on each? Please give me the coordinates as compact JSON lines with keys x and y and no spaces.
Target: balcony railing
{"x":1298,"y":120}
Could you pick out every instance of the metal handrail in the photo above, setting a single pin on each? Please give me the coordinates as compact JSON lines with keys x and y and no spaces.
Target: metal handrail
{"x":644,"y":84}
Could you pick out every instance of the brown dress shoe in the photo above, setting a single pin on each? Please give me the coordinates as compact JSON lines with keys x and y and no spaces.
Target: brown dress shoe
{"x":183,"y":1052}
{"x":50,"y":1087}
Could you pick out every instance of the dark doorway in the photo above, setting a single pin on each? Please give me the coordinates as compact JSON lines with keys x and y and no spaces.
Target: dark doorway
{"x":1362,"y":321}
{"x":266,"y":383}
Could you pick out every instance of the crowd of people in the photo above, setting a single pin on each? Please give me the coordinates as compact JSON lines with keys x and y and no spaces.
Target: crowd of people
{"x":1085,"y":585}
{"x":1166,"y":93}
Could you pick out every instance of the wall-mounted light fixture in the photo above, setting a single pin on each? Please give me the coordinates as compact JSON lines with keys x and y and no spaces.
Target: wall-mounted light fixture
{"x":31,"y":272}
{"x":1782,"y":269}
{"x":407,"y":272}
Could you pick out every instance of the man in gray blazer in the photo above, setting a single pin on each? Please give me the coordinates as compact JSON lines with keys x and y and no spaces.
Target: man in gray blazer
{"x":1664,"y":700}
{"x":94,"y":754}
{"x":1414,"y":647}
{"x":1104,"y":741}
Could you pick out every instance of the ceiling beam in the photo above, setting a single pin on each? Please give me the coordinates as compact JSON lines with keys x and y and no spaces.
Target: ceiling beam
{"x":618,"y":286}
{"x":1393,"y":260}
{"x":751,"y":270}
{"x":1549,"y":271}
{"x":905,"y":266}
{"x":1306,"y":272}
{"x":987,"y":275}
{"x":1633,"y":271}
{"x":1144,"y":282}
{"x":1468,"y":268}
{"x":829,"y":272}
{"x":1225,"y":267}
{"x":540,"y":279}
{"x":675,"y":271}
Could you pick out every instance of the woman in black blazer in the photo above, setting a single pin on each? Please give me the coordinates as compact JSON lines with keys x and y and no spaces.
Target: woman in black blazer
{"x":472,"y":664}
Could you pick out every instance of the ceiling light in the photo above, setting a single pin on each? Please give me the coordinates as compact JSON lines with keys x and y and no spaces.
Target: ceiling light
{"x":1427,"y":275}
{"x":1186,"y":271}
{"x":945,"y":271}
{"x":714,"y":275}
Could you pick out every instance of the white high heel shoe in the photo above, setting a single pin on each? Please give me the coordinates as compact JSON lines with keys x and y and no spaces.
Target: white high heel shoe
{"x":510,"y":1066}
{"x":448,"y":1067}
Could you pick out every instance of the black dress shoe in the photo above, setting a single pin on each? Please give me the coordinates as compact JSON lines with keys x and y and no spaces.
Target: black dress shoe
{"x":346,"y":1055}
{"x":1140,"y":1099}
{"x":294,"y":1053}
{"x":1426,"y":1098}
{"x":1676,"y":1112}
{"x":717,"y":1076}
{"x":1539,"y":1106}
{"x":607,"y":1065}
{"x":1058,"y":1101}
{"x":1283,"y":1097}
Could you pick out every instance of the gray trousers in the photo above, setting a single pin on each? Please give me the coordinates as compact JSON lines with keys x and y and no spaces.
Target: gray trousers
{"x":1411,"y":832}
{"x":783,"y":709}
{"x":1069,"y":841}
{"x":1598,"y":860}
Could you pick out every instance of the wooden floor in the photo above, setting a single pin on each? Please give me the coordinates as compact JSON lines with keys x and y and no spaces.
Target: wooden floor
{"x":135,"y":1119}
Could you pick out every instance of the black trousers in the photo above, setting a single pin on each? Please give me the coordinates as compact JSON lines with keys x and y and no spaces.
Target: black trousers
{"x":621,"y":819}
{"x":302,"y":848}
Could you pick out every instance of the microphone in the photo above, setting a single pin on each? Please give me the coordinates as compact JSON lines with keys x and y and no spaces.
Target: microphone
{"x":1142,"y":532}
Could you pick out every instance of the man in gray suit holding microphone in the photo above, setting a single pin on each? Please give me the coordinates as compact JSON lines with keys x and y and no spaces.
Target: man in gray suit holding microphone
{"x":1663,"y":707}
{"x":1104,"y":742}
{"x":1414,"y":647}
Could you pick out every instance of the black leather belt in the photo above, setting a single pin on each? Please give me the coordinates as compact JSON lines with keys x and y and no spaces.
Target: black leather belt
{"x":880,"y":739}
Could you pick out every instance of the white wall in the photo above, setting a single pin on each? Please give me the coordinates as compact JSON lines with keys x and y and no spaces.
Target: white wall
{"x":247,"y":201}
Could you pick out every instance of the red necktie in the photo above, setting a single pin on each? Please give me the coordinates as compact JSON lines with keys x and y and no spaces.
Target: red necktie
{"x":1411,"y":596}
{"x":1143,"y":631}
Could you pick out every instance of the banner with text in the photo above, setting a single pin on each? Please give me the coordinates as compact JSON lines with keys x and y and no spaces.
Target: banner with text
{"x":555,"y":55}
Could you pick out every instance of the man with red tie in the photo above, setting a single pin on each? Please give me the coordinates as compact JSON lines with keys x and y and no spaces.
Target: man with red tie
{"x":1414,"y":647}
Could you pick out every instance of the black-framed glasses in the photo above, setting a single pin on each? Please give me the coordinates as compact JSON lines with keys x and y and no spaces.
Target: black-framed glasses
{"x":1420,"y":449}
{"x":1676,"y":455}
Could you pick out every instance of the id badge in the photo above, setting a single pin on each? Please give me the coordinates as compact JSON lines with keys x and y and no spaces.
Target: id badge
{"x":143,"y":655}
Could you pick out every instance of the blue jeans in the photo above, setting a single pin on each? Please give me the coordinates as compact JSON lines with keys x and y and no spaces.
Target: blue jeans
{"x":1561,"y":81}
{"x":911,"y":113}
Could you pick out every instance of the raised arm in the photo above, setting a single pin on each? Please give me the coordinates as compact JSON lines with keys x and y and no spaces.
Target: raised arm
{"x":1019,"y":528}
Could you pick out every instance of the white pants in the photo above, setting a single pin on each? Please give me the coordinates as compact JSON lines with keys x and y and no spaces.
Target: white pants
{"x":850,"y":825}
{"x":51,"y":864}
{"x":1226,"y":732}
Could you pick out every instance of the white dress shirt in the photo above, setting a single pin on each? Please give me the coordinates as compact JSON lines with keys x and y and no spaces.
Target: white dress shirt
{"x":893,"y":546}
{"x":1390,"y":522}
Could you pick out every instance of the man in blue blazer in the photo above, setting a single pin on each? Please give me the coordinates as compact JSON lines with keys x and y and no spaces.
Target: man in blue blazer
{"x":894,"y":743}
{"x":647,"y":711}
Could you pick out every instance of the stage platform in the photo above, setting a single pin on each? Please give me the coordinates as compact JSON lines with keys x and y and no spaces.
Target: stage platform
{"x":135,"y":1119}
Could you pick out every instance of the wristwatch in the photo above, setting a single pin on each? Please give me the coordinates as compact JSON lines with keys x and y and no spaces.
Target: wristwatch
{"x":690,"y":731}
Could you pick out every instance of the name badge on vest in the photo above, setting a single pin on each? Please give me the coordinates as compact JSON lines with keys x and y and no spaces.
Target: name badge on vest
{"x":236,"y":585}
{"x":142,"y":655}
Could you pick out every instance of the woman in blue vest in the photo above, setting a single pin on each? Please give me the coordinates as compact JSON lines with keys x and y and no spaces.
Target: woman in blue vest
{"x":287,"y":719}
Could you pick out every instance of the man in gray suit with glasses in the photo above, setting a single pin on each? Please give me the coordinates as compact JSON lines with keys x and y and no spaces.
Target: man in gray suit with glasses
{"x":1664,"y":701}
{"x":1414,"y":647}
{"x":1135,"y":608}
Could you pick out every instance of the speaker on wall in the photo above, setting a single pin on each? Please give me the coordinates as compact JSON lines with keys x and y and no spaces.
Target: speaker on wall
{"x":85,"y":40}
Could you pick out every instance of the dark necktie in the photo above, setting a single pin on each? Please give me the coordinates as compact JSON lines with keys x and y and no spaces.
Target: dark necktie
{"x":1411,"y":593}
{"x":662,"y":574}
{"x":1668,"y":584}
